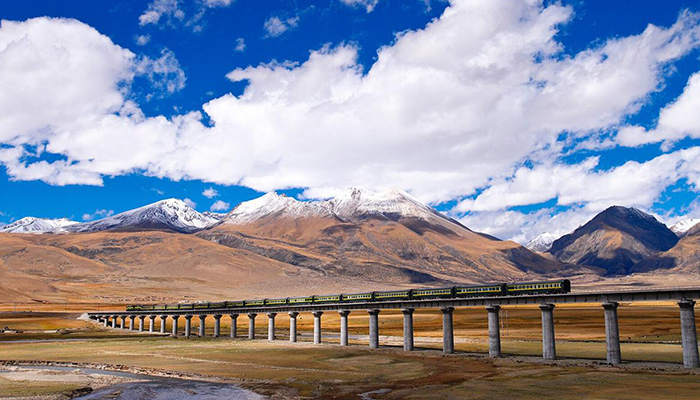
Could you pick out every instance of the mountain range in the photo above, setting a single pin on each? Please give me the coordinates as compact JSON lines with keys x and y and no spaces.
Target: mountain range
{"x":277,"y":245}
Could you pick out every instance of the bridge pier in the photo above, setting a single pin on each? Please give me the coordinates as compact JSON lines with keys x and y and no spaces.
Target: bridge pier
{"x":202,"y":319}
{"x":689,"y":334}
{"x":317,"y":326}
{"x":217,"y":325}
{"x":234,"y":325}
{"x":251,"y":325}
{"x":188,"y":326}
{"x":494,"y":331}
{"x":612,"y":333}
{"x":293,"y":326}
{"x":448,"y":340}
{"x":408,"y":328}
{"x":132,"y":326}
{"x":271,"y":326}
{"x":114,"y":321}
{"x":373,"y":328}
{"x":549,"y":351}
{"x":141,"y":318}
{"x":122,"y":321}
{"x":344,"y":327}
{"x":163,"y":320}
{"x":151,"y":323}
{"x":105,"y":320}
{"x":175,"y":318}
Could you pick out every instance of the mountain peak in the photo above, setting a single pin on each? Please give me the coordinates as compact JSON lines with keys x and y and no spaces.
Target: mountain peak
{"x":168,"y":214}
{"x":37,"y":225}
{"x":682,"y":227}
{"x":615,"y":240}
{"x":542,"y":242}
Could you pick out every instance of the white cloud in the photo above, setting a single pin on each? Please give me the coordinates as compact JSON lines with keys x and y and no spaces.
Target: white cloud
{"x":218,"y":3}
{"x":274,"y":26}
{"x":456,"y":106}
{"x":98,"y":214}
{"x":367,"y":4}
{"x":220,"y":205}
{"x":164,"y":72}
{"x":210,"y":193}
{"x":142,"y":40}
{"x":240,"y":45}
{"x":189,"y":202}
{"x":170,"y":9}
{"x":676,"y":121}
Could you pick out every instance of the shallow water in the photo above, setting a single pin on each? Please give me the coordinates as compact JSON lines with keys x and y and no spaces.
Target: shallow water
{"x":158,"y":388}
{"x":172,"y":389}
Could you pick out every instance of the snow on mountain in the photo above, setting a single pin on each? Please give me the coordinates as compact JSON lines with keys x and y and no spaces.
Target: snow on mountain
{"x":351,"y":205}
{"x":37,"y":225}
{"x":217,"y":216}
{"x":542,"y":242}
{"x":682,"y":226}
{"x":165,"y":214}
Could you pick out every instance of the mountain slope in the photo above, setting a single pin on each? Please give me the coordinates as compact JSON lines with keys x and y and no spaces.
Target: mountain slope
{"x":615,"y":240}
{"x":37,"y":225}
{"x":683,"y":258}
{"x":170,"y":214}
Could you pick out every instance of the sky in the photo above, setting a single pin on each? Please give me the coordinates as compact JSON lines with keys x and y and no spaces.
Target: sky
{"x":516,"y":117}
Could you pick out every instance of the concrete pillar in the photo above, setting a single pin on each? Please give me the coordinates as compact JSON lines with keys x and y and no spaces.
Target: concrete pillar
{"x":151,"y":323}
{"x":114,"y":321}
{"x":448,"y":340}
{"x":612,"y":334}
{"x":106,"y":322}
{"x":234,"y":325}
{"x":251,"y":325}
{"x":373,"y":328}
{"x":132,"y":326}
{"x":122,"y":321}
{"x":202,"y":319}
{"x":494,"y":331}
{"x":271,"y":326}
{"x":293,"y":326}
{"x":689,"y":334}
{"x":408,"y":328}
{"x":549,"y":351}
{"x":344,"y":327}
{"x":175,"y":318}
{"x":317,"y":326}
{"x":141,"y":318}
{"x":163,"y":320}
{"x":217,"y":325}
{"x":188,"y":325}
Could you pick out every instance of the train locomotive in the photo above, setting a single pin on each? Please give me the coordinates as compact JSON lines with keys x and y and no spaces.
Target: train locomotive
{"x":454,"y":292}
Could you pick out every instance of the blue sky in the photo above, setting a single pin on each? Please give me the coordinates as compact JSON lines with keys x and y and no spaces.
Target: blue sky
{"x":516,"y":117}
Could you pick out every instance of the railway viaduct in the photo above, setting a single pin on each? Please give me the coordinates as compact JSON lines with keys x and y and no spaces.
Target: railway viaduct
{"x":685,"y":297}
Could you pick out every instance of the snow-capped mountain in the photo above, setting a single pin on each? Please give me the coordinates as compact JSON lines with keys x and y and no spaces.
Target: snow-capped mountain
{"x":351,"y":205}
{"x":682,"y":226}
{"x":217,"y":216}
{"x":37,"y":225}
{"x":541,"y":243}
{"x":170,"y":214}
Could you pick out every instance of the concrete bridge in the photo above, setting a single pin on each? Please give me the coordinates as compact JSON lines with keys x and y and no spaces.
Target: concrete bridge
{"x":609,"y":301}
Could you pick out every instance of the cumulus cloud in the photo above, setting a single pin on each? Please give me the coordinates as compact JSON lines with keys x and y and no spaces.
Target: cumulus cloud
{"x":189,"y":202}
{"x":219,"y":206}
{"x":458,"y":106}
{"x":274,"y":26}
{"x":98,"y":214}
{"x":210,"y":193}
{"x":174,"y":13}
{"x":367,"y":4}
{"x":142,"y":40}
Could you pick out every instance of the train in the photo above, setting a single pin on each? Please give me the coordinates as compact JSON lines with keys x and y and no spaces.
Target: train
{"x":453,"y":292}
